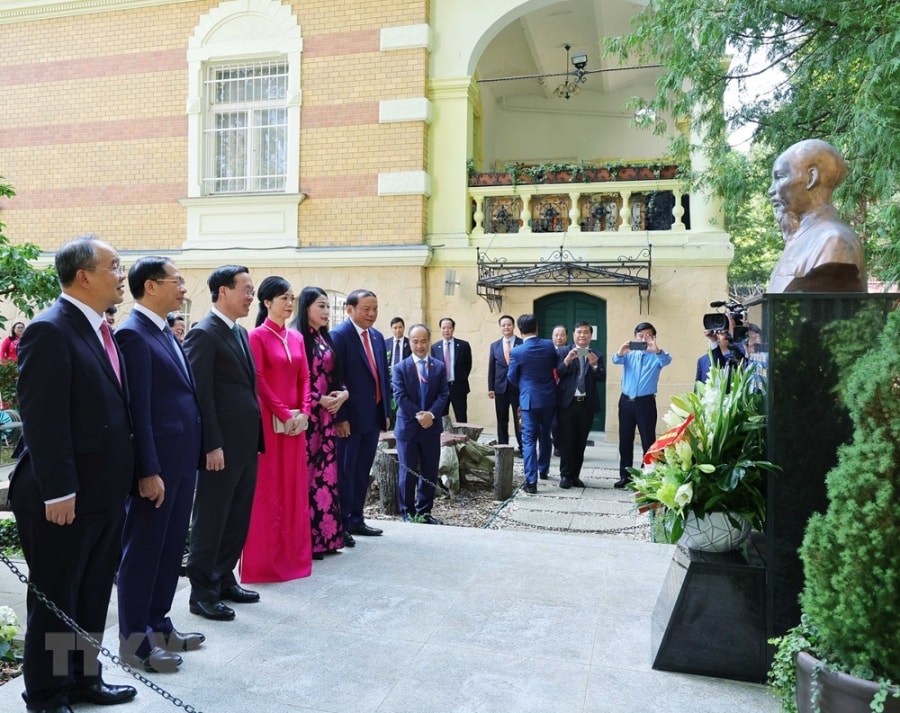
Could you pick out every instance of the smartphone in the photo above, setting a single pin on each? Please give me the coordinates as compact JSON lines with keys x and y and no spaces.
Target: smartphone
{"x":637,"y":346}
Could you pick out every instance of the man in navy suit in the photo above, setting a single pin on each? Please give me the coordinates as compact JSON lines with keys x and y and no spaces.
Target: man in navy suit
{"x":361,"y":352}
{"x":531,"y":368}
{"x":69,"y":488}
{"x":397,"y":346}
{"x":218,"y":351}
{"x":167,"y":438}
{"x":504,"y":394}
{"x":457,"y":357}
{"x":580,"y":370}
{"x":421,"y":392}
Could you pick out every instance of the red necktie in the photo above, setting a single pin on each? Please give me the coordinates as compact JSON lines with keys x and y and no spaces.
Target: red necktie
{"x":110,"y":348}
{"x":372,"y":366}
{"x":506,"y":350}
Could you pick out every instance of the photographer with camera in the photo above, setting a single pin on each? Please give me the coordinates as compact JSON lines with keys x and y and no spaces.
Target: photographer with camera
{"x":728,"y":333}
{"x":642,"y":360}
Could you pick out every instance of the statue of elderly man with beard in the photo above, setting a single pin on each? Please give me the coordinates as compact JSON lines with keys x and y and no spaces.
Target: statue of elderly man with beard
{"x":821,"y":252}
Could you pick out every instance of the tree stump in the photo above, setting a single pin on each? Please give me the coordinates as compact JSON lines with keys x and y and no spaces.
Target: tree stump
{"x":503,"y":470}
{"x":476,"y":460}
{"x":472,"y":431}
{"x":387,"y":439}
{"x":386,"y":470}
{"x":448,"y":468}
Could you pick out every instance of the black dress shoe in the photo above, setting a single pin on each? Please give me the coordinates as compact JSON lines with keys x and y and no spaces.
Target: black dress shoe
{"x":530,"y":488}
{"x":101,"y":694}
{"x":366,"y":531}
{"x":236,"y":593}
{"x":158,"y":661}
{"x":620,"y":483}
{"x":565,"y":483}
{"x":216,"y":611}
{"x":348,"y":539}
{"x":429,"y":519}
{"x":176,"y":641}
{"x":318,"y":555}
{"x":578,"y":483}
{"x":543,"y":475}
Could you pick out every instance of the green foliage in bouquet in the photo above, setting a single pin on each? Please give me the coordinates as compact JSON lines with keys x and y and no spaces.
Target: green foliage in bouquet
{"x":712,"y":459}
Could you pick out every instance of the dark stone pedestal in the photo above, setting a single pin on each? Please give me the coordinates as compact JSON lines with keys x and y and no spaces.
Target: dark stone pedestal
{"x":710,"y":617}
{"x":812,"y":339}
{"x":716,"y":612}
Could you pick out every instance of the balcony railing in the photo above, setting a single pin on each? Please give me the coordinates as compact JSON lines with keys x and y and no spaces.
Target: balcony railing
{"x":621,"y":206}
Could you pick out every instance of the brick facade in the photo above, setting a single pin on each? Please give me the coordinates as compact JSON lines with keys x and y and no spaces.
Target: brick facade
{"x":95,"y":129}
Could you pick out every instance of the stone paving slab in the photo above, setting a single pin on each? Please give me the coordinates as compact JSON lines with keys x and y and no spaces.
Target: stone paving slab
{"x":449,"y":620}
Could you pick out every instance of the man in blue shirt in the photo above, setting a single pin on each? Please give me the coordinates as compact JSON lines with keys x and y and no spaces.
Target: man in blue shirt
{"x":637,"y":404}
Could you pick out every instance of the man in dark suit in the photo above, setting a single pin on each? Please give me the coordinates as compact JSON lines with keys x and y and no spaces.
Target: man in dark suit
{"x":361,"y":352}
{"x":504,"y":394}
{"x":457,"y":357}
{"x":421,"y":392}
{"x":69,"y":488}
{"x":531,"y":368}
{"x":167,"y":436}
{"x":580,"y":370}
{"x":397,"y":346}
{"x":225,"y":381}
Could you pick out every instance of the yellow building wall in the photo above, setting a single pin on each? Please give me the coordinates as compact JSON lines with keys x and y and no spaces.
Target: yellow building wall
{"x":95,"y":140}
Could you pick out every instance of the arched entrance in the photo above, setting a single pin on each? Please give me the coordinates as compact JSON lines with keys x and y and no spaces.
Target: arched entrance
{"x":567,"y":308}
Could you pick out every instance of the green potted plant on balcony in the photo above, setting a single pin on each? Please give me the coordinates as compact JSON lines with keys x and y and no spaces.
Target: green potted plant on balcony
{"x":847,"y":648}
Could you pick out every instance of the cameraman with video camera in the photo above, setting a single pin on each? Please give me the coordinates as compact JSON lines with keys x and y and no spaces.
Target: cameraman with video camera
{"x":642,"y":361}
{"x":728,"y":333}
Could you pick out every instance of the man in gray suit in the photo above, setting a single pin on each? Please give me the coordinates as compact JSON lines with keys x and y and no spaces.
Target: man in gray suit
{"x":225,"y":377}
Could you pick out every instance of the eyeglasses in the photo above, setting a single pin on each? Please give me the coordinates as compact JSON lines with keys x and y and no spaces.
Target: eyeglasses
{"x":177,"y":281}
{"x":249,"y":291}
{"x":116,"y":270}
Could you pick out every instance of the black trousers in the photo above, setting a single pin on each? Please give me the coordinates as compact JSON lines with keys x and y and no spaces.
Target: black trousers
{"x":74,"y":566}
{"x":219,"y":526}
{"x":574,"y":424}
{"x":637,"y":413}
{"x":502,"y":405}
{"x":458,"y":400}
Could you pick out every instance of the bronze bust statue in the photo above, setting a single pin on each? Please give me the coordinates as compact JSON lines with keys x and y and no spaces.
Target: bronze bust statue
{"x":821,"y":252}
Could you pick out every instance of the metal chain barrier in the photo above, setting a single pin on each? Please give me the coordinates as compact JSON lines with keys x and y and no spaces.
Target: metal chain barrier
{"x":101,"y":649}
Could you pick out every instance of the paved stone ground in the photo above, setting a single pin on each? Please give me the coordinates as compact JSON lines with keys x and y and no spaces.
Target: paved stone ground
{"x":546,"y":610}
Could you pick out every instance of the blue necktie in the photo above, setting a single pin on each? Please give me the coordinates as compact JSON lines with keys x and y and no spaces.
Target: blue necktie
{"x":174,"y":344}
{"x":423,"y":382}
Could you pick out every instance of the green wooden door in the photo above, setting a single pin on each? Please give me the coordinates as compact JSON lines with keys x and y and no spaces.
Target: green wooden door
{"x":567,"y":308}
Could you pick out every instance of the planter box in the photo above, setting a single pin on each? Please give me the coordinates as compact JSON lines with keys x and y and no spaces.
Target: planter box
{"x":590,"y":174}
{"x":836,"y":692}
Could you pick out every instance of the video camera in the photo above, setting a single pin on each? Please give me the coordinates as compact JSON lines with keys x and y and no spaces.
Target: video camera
{"x":718,"y":321}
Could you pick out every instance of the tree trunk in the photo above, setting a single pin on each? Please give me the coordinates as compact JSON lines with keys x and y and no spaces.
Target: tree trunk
{"x":470,"y":430}
{"x":448,"y":469}
{"x":386,"y":469}
{"x":503,"y":471}
{"x":476,"y":460}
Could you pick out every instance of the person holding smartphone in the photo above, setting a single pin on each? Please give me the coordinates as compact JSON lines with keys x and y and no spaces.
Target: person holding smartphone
{"x":642,"y":360}
{"x":581,"y":371}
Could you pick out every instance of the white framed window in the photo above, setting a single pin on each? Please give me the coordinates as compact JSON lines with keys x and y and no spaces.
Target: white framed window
{"x":243,"y":109}
{"x":246,"y":128}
